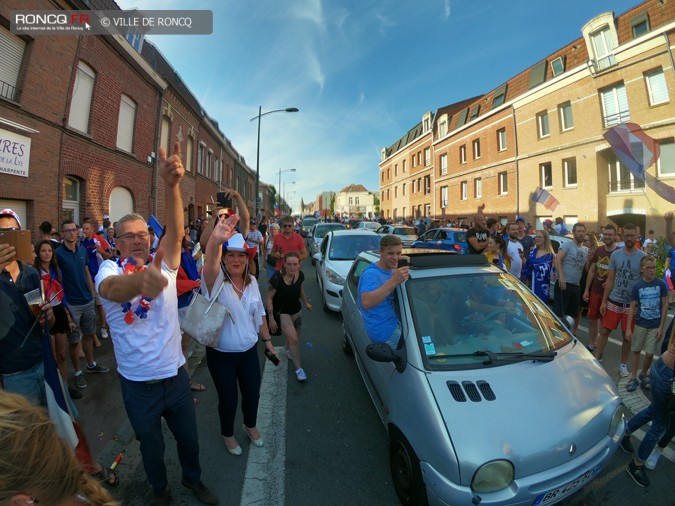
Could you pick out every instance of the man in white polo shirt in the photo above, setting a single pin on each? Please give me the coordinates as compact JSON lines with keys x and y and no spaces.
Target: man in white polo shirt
{"x":139,"y":296}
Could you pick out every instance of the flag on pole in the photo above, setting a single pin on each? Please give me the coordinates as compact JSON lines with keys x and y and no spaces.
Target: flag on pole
{"x":542,"y":196}
{"x":156,"y":226}
{"x":636,"y":150}
{"x":277,"y":210}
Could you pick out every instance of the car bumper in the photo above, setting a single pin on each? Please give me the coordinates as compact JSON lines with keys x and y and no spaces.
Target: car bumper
{"x":333,"y":296}
{"x":527,"y":490}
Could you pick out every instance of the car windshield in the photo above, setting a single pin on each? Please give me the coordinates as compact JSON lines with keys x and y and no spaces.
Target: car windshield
{"x":404,"y":231}
{"x":460,"y":236}
{"x":308,"y":222}
{"x":370,"y":225}
{"x":322,"y":230}
{"x":348,"y":247}
{"x":462,"y":318}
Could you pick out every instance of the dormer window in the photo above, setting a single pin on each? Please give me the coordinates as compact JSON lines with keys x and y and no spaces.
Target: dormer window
{"x":601,"y":41}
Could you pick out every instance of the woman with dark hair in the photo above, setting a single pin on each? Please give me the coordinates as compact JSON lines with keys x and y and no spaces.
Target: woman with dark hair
{"x":233,"y":362}
{"x":496,"y":252}
{"x":283,"y":298}
{"x":45,"y":263}
{"x":36,"y":465}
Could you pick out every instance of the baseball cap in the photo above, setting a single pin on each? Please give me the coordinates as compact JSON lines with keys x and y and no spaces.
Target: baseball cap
{"x":106,"y":217}
{"x":548,"y":222}
{"x":9,"y":212}
{"x":520,"y":218}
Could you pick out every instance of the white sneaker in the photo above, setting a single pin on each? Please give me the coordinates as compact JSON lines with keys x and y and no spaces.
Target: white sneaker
{"x":104,"y":333}
{"x":623,"y":371}
{"x":300,"y":374}
{"x":653,"y":458}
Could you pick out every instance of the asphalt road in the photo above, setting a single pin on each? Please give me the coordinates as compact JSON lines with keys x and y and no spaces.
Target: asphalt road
{"x":324,"y":443}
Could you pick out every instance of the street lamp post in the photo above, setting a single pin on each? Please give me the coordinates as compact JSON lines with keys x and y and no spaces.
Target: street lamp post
{"x":257,"y":161}
{"x":285,"y":196}
{"x":279,"y":194}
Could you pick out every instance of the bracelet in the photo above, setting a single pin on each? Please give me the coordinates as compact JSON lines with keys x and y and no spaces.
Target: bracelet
{"x":266,"y":340}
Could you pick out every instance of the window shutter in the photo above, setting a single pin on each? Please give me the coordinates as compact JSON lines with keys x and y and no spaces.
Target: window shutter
{"x":658,"y":88}
{"x":125,"y":124}
{"x":462,"y":117}
{"x":537,"y":74}
{"x":80,"y":102}
{"x":11,"y":49}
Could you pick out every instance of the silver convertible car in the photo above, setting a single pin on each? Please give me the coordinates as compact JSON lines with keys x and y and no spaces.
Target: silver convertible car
{"x":488,"y":399}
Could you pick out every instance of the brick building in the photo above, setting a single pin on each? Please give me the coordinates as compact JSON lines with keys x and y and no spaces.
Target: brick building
{"x":544,"y":127}
{"x":82,"y":120}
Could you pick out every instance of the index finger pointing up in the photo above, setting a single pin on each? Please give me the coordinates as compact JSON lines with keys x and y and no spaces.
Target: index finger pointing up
{"x":176,"y":149}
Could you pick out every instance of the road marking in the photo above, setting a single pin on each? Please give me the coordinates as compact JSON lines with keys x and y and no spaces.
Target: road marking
{"x":264,"y":479}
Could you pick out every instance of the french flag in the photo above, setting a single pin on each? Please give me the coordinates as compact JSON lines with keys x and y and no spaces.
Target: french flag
{"x":542,"y":196}
{"x":60,"y":407}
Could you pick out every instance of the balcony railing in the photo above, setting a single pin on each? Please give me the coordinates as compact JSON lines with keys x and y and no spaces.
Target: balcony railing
{"x":615,"y":119}
{"x":8,"y":91}
{"x":625,"y":185}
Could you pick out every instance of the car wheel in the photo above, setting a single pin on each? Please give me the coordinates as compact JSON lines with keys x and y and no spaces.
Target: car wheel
{"x":405,"y":471}
{"x":346,"y":345}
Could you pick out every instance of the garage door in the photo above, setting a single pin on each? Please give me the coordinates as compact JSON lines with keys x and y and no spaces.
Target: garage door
{"x":19,"y":207}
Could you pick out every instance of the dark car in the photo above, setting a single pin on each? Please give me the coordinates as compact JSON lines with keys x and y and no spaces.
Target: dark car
{"x":450,"y":239}
{"x":307,"y":223}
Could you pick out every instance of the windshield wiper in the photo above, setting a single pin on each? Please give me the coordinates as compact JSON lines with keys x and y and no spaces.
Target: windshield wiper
{"x":492,"y":357}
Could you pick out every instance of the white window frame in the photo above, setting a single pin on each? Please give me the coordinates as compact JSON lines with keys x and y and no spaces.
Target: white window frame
{"x":444,"y":164}
{"x":444,"y":197}
{"x":402,"y":190}
{"x":462,"y":154}
{"x":657,"y":89}
{"x":427,"y":157}
{"x":478,"y":188}
{"x":200,"y":157}
{"x":615,"y":106}
{"x":427,"y":185}
{"x":501,"y":139}
{"x":667,"y":158}
{"x":543,"y":125}
{"x":565,"y":106}
{"x":603,"y":47}
{"x":188,"y":153}
{"x":503,"y":178}
{"x":404,"y":165}
{"x":476,"y":149}
{"x":566,"y":173}
{"x":543,"y":169}
{"x":464,"y":190}
{"x":80,"y":101}
{"x":125,"y":124}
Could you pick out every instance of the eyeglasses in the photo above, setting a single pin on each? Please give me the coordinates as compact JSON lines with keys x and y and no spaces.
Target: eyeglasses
{"x":10,"y":229}
{"x":650,"y":267}
{"x":68,"y":230}
{"x":130,"y":237}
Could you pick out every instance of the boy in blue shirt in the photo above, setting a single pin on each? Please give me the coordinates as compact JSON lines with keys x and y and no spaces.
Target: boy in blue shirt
{"x":649,"y":306}
{"x":376,"y":293}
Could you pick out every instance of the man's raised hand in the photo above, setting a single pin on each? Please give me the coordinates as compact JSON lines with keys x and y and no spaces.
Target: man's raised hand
{"x":171,"y":169}
{"x":153,"y":281}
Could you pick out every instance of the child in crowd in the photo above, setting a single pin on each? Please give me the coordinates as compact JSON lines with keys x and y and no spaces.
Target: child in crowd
{"x":649,"y":306}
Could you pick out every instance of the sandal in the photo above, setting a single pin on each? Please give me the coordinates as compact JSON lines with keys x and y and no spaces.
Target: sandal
{"x":106,"y":476}
{"x":197,"y":387}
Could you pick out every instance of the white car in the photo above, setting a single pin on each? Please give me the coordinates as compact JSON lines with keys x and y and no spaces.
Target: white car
{"x":317,"y":234}
{"x":338,"y":251}
{"x":405,"y":232}
{"x":368,"y":225}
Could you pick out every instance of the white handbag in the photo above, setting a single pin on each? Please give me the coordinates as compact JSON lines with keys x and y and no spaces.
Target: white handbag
{"x":204,"y":318}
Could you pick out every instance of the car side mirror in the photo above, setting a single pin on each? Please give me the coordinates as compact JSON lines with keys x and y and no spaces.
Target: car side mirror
{"x":317,"y":257}
{"x":382,"y":352}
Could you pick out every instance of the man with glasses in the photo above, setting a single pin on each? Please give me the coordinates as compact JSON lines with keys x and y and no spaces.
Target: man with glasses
{"x":79,"y":290}
{"x":286,"y":241}
{"x":624,"y":271}
{"x":140,"y":298}
{"x":21,"y":366}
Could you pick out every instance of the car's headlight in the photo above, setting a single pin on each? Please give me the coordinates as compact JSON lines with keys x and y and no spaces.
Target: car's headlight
{"x":617,"y":422}
{"x":492,"y":476}
{"x":334,"y":277}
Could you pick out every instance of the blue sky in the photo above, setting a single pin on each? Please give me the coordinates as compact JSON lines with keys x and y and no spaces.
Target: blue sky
{"x":362,"y":72}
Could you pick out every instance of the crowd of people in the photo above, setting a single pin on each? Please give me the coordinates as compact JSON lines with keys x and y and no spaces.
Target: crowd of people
{"x":122,"y":281}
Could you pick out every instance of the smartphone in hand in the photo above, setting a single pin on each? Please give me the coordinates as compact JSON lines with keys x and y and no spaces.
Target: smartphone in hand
{"x":272,"y":357}
{"x":402,"y":262}
{"x":223,"y":201}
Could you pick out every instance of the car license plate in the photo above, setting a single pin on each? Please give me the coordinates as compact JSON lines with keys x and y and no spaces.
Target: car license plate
{"x":565,"y":490}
